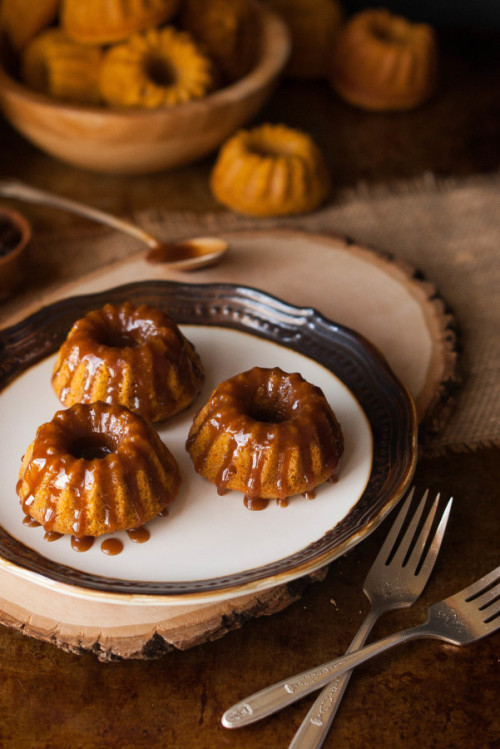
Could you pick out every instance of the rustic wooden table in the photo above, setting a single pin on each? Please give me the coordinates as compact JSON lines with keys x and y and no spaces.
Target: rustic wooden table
{"x":423,"y":694}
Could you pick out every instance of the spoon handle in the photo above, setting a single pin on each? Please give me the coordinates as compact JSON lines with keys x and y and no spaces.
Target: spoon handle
{"x":15,"y":189}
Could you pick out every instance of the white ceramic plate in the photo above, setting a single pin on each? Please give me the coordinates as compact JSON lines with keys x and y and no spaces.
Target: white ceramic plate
{"x":212,"y":546}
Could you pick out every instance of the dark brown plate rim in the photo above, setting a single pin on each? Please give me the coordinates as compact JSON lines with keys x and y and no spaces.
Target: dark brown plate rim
{"x":388,"y":406}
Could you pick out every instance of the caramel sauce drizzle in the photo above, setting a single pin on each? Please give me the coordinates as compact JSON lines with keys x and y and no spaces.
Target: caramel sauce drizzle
{"x":271,"y":426}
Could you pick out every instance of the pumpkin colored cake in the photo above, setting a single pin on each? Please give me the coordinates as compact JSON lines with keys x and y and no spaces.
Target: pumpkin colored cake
{"x":227,"y":30}
{"x":108,"y":21}
{"x":55,"y":65}
{"x":95,"y":469}
{"x":22,"y":20}
{"x":157,"y":68}
{"x":384,"y":62}
{"x":267,"y":434}
{"x":134,"y":356}
{"x":271,"y":170}
{"x":313,"y":26}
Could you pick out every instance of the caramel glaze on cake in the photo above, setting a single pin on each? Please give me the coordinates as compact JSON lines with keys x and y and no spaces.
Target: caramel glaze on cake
{"x":268,"y":434}
{"x":135,"y":356}
{"x":96,"y":469}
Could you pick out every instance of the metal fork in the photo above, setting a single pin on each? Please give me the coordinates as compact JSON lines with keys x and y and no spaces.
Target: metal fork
{"x":397,"y":577}
{"x":467,"y":616}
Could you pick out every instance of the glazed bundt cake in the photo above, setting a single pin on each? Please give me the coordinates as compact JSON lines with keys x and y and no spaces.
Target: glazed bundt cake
{"x":134,"y":356}
{"x":271,"y":170}
{"x":384,"y":62}
{"x":55,"y":65}
{"x":108,"y":21}
{"x":155,"y":69}
{"x":266,"y":433}
{"x":313,"y":26}
{"x":96,"y":469}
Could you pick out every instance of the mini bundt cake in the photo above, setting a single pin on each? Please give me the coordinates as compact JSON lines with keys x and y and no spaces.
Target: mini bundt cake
{"x":22,"y":20}
{"x":55,"y":65}
{"x":271,"y":170}
{"x":155,"y":69}
{"x":266,"y":433}
{"x":313,"y":26}
{"x":384,"y":62}
{"x":227,"y":30}
{"x":134,"y":356}
{"x":108,"y":21}
{"x":96,"y":469}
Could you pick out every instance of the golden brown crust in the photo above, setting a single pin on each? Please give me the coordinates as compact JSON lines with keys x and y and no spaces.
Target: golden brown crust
{"x":384,"y":62}
{"x":267,"y":434}
{"x":108,"y":21}
{"x":134,"y":356}
{"x":271,"y":170}
{"x":95,"y":469}
{"x":313,"y":25}
{"x":157,"y":68}
{"x":55,"y":65}
{"x":22,"y":20}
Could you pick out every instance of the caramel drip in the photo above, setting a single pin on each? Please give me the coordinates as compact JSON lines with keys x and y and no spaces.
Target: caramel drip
{"x":139,"y":535}
{"x":52,"y":536}
{"x":30,"y":522}
{"x":82,"y":543}
{"x":255,"y":503}
{"x":112,"y":546}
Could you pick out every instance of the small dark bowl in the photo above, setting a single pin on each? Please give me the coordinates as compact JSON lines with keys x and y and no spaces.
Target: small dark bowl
{"x":15,"y":236}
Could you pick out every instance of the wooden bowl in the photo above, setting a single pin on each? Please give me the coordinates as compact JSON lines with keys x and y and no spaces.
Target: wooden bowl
{"x":15,"y":236}
{"x":140,"y":141}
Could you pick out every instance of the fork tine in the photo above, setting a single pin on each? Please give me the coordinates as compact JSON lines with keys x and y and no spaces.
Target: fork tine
{"x":393,"y":534}
{"x":476,"y":588}
{"x":486,"y":598}
{"x":425,"y":558}
{"x":402,"y":550}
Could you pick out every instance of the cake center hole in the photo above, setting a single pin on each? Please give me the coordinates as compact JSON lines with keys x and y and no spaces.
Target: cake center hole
{"x":118,"y":339}
{"x":160,"y":72}
{"x":395,"y":34}
{"x":269,"y":411}
{"x":91,"y":447}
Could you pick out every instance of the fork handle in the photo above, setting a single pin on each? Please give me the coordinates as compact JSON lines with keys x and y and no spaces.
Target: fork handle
{"x":273,"y":698}
{"x":315,"y":726}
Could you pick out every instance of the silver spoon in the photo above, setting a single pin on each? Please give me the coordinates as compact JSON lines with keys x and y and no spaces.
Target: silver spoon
{"x":187,"y":255}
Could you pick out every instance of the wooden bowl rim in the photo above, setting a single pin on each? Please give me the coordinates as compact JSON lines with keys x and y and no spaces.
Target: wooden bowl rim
{"x":273,"y":57}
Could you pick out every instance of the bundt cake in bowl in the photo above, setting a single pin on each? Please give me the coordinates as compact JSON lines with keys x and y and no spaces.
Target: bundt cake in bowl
{"x":94,"y":469}
{"x":267,"y":434}
{"x":157,"y":133}
{"x":383,"y":62}
{"x":134,"y":356}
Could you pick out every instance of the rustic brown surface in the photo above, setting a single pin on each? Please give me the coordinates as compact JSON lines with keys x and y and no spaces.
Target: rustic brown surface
{"x":424,"y":694}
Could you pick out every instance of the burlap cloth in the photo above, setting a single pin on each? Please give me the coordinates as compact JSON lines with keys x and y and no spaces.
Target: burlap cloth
{"x":448,"y":230}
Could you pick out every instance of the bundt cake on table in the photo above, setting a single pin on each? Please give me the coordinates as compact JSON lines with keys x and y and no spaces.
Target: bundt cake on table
{"x":128,"y":355}
{"x":267,"y":434}
{"x":95,"y":469}
{"x":270,"y":170}
{"x":384,"y":62}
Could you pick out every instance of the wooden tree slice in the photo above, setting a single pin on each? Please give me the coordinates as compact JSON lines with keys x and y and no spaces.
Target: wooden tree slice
{"x":384,"y":300}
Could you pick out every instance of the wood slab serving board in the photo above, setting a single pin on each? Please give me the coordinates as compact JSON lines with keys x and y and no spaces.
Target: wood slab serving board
{"x":385,"y":301}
